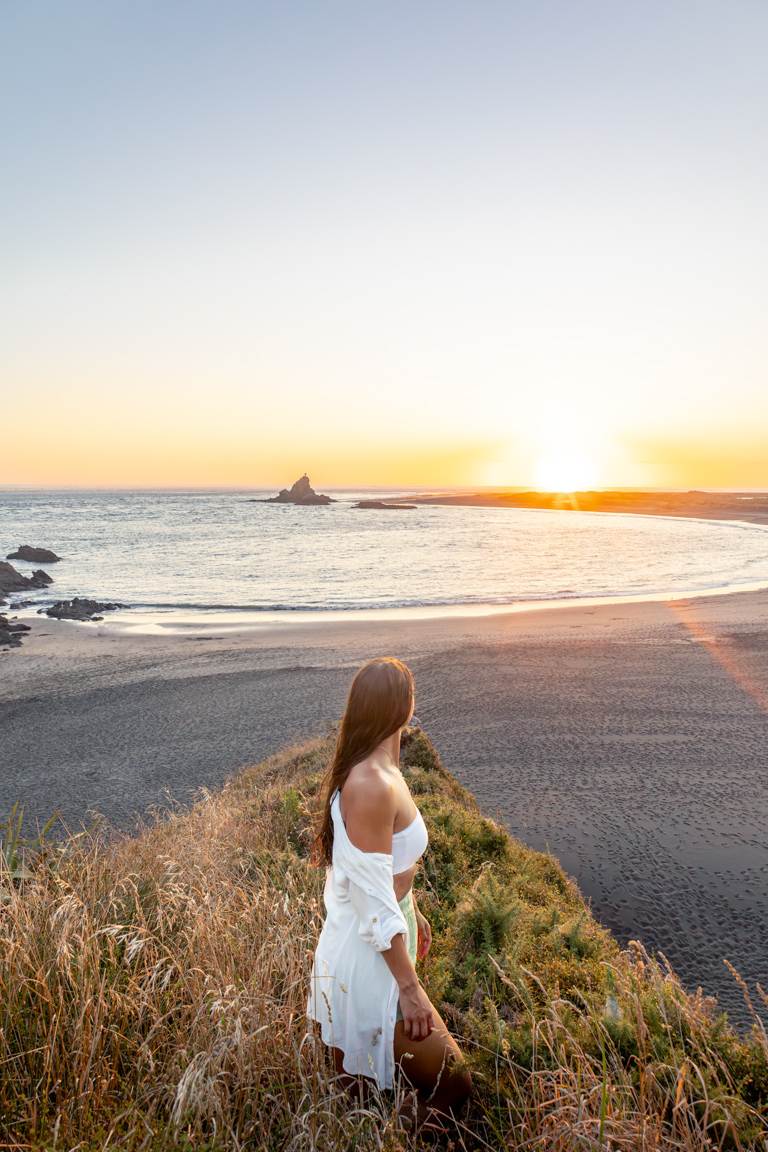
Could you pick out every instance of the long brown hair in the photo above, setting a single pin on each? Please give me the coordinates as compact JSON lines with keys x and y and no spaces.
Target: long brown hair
{"x":378,"y":703}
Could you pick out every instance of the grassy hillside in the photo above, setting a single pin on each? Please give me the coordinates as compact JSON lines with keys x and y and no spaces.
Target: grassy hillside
{"x":152,"y":991}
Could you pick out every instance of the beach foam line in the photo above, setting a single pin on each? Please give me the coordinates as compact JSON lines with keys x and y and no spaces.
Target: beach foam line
{"x":181,"y":621}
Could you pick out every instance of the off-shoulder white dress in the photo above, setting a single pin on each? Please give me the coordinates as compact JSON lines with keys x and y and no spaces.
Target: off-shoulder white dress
{"x":353,"y":995}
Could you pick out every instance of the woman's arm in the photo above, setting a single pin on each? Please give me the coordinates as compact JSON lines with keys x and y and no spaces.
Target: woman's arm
{"x":418,"y":1018}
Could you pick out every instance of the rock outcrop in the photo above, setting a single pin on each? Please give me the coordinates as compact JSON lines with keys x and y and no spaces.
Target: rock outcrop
{"x":380,"y":504}
{"x":34,"y":555}
{"x":10,"y":632}
{"x":299,"y":493}
{"x":12,"y":580}
{"x":80,"y":608}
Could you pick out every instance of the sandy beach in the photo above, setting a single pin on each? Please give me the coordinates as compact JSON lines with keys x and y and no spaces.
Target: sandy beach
{"x":629,"y":738}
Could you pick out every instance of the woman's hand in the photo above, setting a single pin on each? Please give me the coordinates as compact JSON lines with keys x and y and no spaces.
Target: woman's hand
{"x":425,"y":935}
{"x":418,"y":1017}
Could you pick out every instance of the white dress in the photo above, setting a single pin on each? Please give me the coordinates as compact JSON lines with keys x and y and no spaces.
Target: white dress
{"x":353,"y":995}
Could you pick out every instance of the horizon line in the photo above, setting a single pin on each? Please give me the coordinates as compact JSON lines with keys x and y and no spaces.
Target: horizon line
{"x":364,"y":487}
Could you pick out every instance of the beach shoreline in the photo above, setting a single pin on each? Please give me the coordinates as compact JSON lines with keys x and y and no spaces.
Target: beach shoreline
{"x":127,"y":621}
{"x":145,"y":627}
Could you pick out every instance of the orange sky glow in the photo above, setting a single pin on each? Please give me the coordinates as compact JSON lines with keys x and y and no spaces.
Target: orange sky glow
{"x":480,"y":246}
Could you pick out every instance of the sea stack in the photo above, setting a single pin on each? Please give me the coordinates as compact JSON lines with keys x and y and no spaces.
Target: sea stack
{"x":301,"y":492}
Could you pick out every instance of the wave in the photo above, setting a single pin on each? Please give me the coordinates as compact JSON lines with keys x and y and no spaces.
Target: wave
{"x":449,"y":602}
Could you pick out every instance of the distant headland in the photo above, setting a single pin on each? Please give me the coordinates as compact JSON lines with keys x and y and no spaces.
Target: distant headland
{"x":751,"y":506}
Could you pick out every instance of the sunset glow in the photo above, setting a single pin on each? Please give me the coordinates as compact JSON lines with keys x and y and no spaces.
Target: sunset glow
{"x":334,"y":261}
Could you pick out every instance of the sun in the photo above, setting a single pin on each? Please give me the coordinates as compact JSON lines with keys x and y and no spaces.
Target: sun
{"x":565,"y":467}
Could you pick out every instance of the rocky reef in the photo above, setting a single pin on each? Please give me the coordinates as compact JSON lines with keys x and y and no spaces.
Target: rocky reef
{"x":11,"y":580}
{"x":10,"y":631}
{"x":79,"y":608}
{"x":301,"y":492}
{"x":380,"y":504}
{"x":34,"y":555}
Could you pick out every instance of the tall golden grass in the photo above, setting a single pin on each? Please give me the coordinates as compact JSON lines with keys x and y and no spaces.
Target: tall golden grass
{"x":153,"y":990}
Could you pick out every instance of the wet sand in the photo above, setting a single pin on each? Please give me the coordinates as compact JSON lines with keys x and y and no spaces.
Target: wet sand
{"x":631,"y":739}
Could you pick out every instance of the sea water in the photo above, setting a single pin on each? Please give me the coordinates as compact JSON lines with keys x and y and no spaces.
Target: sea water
{"x":179,"y":555}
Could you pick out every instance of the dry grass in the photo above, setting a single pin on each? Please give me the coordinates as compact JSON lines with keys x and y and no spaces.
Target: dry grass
{"x":152,"y":992}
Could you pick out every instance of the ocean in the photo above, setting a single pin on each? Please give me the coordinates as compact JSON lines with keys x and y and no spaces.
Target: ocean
{"x":176,"y":555}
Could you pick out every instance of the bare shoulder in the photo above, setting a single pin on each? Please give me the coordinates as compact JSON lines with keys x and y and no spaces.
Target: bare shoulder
{"x":370,"y":797}
{"x":370,"y":788}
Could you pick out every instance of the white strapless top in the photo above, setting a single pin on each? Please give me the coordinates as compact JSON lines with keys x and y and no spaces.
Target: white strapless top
{"x":407,"y":845}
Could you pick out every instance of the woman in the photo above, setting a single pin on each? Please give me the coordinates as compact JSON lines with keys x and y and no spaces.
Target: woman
{"x":364,"y":989}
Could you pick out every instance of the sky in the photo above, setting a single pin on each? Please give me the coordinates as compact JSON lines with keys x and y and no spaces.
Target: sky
{"x":434,"y":244}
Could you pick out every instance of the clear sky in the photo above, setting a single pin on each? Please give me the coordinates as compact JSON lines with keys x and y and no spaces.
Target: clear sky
{"x":385,"y":243}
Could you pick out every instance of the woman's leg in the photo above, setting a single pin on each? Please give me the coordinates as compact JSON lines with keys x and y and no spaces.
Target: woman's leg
{"x":435,"y":1066}
{"x":359,"y":1085}
{"x":412,"y":1111}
